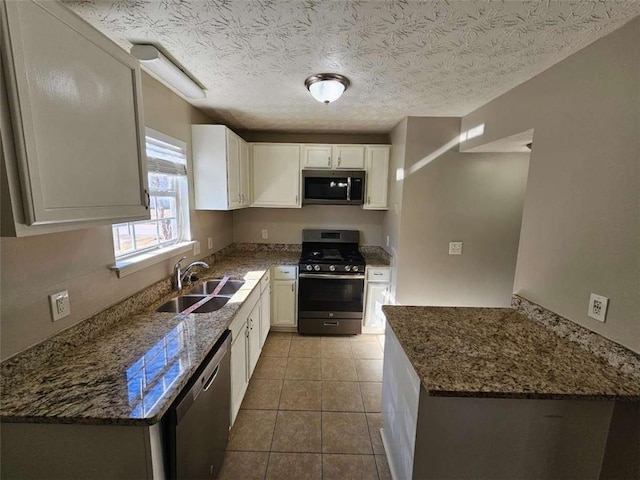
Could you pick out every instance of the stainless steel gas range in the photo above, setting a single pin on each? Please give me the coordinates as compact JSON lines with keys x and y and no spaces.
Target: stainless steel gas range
{"x":331,"y":283}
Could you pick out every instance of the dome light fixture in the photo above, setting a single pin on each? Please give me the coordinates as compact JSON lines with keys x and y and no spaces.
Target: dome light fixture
{"x":327,"y":87}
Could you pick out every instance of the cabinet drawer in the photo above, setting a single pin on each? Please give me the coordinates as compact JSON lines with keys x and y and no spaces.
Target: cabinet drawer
{"x":285,"y":272}
{"x":375,"y":274}
{"x":264,"y":281}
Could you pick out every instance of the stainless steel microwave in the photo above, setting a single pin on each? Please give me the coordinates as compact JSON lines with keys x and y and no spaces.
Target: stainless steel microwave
{"x":333,"y":187}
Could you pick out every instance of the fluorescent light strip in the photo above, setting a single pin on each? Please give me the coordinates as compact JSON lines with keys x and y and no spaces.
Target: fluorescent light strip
{"x":152,"y":59}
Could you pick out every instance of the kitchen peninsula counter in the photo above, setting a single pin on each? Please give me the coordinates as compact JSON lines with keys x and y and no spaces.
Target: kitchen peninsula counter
{"x":89,"y":383}
{"x":499,"y":353}
{"x":504,"y":393}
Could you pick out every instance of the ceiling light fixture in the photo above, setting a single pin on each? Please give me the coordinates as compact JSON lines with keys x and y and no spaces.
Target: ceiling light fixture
{"x":327,"y":87}
{"x":151,"y":58}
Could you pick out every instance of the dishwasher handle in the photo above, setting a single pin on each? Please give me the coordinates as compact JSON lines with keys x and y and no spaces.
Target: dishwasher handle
{"x":213,"y":377}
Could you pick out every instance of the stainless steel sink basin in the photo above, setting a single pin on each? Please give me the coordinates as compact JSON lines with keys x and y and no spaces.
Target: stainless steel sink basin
{"x":231,"y":287}
{"x":179,"y":304}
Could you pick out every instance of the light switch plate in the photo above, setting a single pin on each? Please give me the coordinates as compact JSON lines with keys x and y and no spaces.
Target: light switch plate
{"x":196,"y":248}
{"x":455,"y":248}
{"x":210,"y":243}
{"x":60,"y":306}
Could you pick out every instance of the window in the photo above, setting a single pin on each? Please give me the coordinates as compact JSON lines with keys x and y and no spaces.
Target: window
{"x":168,"y":202}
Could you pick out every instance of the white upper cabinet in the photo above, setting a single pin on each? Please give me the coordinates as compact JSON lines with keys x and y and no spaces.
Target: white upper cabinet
{"x":220,"y":168}
{"x":276,"y":175}
{"x":316,"y":156}
{"x":348,"y":157}
{"x":336,"y":157}
{"x":245,"y":185}
{"x":377,"y":167}
{"x":71,"y":123}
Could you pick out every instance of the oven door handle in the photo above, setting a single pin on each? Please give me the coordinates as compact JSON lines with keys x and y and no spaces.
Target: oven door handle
{"x":328,"y":276}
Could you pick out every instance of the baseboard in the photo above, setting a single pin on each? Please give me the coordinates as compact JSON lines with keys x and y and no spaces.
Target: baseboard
{"x":386,"y":451}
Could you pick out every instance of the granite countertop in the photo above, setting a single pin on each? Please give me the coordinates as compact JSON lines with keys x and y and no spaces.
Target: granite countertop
{"x":499,"y":353}
{"x":375,"y":258}
{"x":100,"y":382}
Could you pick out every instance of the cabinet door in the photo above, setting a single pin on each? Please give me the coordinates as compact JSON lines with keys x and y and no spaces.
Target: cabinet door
{"x":265,"y":315}
{"x":76,"y":107}
{"x":349,"y":157}
{"x":376,"y":297}
{"x":254,"y":338}
{"x":377,"y":177}
{"x":244,"y":174}
{"x":233,"y":169}
{"x":316,"y":156}
{"x":239,"y":372}
{"x":284,"y":303}
{"x":276,"y":175}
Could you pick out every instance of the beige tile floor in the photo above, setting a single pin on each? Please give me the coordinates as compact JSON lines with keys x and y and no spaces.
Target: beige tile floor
{"x":311,"y":411}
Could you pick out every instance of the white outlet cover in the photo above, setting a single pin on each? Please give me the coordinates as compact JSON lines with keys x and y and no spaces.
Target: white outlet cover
{"x":265,"y":233}
{"x":196,"y":248}
{"x":598,"y":307}
{"x":210,"y":243}
{"x":60,"y":305}
{"x":455,"y":248}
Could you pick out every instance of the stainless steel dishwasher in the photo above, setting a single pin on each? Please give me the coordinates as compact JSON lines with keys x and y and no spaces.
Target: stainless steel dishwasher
{"x":197,"y":424}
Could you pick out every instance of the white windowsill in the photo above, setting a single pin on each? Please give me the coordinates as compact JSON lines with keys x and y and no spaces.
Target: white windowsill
{"x":139,"y":262}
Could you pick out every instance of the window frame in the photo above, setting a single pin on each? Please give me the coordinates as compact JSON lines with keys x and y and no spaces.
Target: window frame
{"x":137,"y":259}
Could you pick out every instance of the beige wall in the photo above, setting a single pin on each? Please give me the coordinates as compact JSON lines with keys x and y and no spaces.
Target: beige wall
{"x":34,"y":267}
{"x":391,"y":221}
{"x":581,"y":224}
{"x":448,"y":196}
{"x":285,"y":224}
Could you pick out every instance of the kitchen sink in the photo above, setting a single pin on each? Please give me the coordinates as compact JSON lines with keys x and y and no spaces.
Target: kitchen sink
{"x":183,"y":302}
{"x":206,"y":288}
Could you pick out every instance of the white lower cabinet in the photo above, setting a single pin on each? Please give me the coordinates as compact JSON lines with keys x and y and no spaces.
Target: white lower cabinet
{"x":284,"y":296}
{"x":239,"y":373}
{"x":248,"y":334}
{"x":265,"y":310}
{"x":253,"y":324}
{"x":376,"y":295}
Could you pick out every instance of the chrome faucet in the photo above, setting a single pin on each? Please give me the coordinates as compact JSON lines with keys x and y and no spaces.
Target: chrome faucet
{"x":180,"y":276}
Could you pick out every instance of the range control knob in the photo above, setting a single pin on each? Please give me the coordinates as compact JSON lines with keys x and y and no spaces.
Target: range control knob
{"x":332,"y":268}
{"x":347,"y":268}
{"x":355,"y":268}
{"x":309,"y":267}
{"x":316,"y":268}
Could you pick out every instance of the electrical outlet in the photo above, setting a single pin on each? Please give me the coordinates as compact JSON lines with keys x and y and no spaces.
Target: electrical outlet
{"x":598,"y":307}
{"x":265,"y":233}
{"x":60,"y":306}
{"x":196,"y":248}
{"x":210,"y":243}
{"x":455,"y":248}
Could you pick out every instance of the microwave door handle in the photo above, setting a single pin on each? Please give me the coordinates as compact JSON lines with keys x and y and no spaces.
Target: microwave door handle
{"x":348,"y":189}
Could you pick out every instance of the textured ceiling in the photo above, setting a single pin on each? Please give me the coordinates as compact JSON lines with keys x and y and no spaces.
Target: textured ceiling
{"x":423,"y":58}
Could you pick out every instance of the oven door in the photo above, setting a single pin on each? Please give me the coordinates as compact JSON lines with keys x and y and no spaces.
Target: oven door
{"x":330,"y":304}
